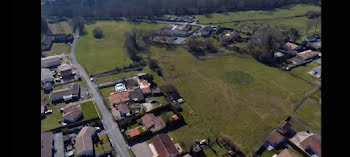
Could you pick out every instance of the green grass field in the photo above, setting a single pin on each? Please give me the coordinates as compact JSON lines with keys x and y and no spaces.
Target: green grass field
{"x":100,"y":55}
{"x":282,"y":17}
{"x":302,"y":71}
{"x":223,"y":101}
{"x":57,"y":49}
{"x":89,"y":110}
{"x":60,"y":27}
{"x":310,"y":115}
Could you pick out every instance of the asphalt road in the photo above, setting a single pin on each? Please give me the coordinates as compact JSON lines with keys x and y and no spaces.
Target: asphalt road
{"x":114,"y":134}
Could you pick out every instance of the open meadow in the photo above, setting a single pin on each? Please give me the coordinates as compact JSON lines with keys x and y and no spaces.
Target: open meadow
{"x":285,"y":18}
{"x":233,"y":95}
{"x":100,"y":55}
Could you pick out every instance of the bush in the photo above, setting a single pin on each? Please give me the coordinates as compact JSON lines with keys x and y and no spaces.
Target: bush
{"x":98,"y":33}
{"x":313,"y":14}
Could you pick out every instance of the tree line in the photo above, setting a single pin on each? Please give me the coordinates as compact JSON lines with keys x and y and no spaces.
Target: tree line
{"x":150,"y":8}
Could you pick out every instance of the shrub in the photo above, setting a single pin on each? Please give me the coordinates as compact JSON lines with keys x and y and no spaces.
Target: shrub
{"x":98,"y":33}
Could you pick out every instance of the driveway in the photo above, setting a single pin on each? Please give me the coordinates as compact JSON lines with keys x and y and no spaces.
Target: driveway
{"x":58,"y":139}
{"x":142,"y":150}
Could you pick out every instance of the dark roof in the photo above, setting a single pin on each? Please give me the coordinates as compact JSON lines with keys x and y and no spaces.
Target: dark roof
{"x":164,"y":146}
{"x":50,"y":62}
{"x":314,"y":142}
{"x":283,"y":127}
{"x":72,"y":89}
{"x":286,"y":153}
{"x":123,"y":108}
{"x":72,"y":112}
{"x":136,"y":94}
{"x":274,"y":137}
{"x":46,"y":144}
{"x":83,"y":141}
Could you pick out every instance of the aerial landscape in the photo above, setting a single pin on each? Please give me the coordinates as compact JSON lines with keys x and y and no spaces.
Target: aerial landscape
{"x":172,"y":78}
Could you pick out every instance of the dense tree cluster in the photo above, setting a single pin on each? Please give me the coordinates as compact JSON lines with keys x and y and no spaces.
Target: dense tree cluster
{"x":98,"y":33}
{"x":199,"y":47}
{"x":170,"y":91}
{"x":149,"y":8}
{"x":263,"y":45}
{"x":153,"y":65}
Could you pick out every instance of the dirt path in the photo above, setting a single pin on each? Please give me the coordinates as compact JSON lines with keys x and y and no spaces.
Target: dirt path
{"x":306,"y":96}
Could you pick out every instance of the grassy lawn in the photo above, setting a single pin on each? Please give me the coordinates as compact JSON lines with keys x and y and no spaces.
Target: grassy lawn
{"x":51,"y":121}
{"x":57,"y":49}
{"x":281,"y":17}
{"x":100,"y":55}
{"x":224,"y":101}
{"x":106,"y":91}
{"x":270,"y":153}
{"x":89,"y":110}
{"x":302,"y":71}
{"x":310,"y":115}
{"x":60,"y":27}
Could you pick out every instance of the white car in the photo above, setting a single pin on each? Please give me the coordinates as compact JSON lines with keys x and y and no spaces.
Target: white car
{"x":63,"y":124}
{"x":92,"y":79}
{"x":77,"y":36}
{"x":48,"y":112}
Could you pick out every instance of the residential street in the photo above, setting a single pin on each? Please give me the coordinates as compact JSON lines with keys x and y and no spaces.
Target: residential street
{"x":111,"y":127}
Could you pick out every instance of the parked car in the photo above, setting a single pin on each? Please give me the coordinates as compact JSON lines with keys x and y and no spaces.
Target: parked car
{"x":48,"y":112}
{"x":153,"y":101}
{"x":63,"y":124}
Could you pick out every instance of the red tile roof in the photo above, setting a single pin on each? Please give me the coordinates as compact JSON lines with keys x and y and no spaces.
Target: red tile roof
{"x":46,"y":144}
{"x":118,"y":97}
{"x":72,"y":112}
{"x":83,"y":141}
{"x":134,"y":132}
{"x":314,"y":142}
{"x":164,"y":146}
{"x":153,"y":123}
{"x":286,"y":153}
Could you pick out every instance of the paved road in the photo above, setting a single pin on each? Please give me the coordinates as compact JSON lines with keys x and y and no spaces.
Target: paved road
{"x":111,"y":127}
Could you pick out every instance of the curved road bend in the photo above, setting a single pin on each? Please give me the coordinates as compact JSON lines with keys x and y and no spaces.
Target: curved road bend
{"x":115,"y":136}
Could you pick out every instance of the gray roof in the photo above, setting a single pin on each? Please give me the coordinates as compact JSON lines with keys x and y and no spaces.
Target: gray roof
{"x":46,"y":74}
{"x":50,"y":62}
{"x":64,"y":67}
{"x":71,"y":90}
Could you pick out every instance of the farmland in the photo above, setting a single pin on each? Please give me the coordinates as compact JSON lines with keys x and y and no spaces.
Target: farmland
{"x":57,"y":49}
{"x":60,"y":27}
{"x":100,"y":55}
{"x":223,"y":101}
{"x":285,"y":18}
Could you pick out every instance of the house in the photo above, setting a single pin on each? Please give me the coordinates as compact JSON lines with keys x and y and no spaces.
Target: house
{"x":231,"y":37}
{"x":124,"y":110}
{"x":156,"y":92}
{"x":145,"y":87}
{"x":65,"y":71}
{"x":284,"y":127}
{"x":205,"y":32}
{"x":312,"y":145}
{"x":316,"y":72}
{"x":50,"y":62}
{"x":46,"y":76}
{"x":46,"y":144}
{"x":164,"y":146}
{"x":307,"y":55}
{"x":67,"y":94}
{"x":290,"y":48}
{"x":286,"y":153}
{"x":313,"y":38}
{"x":136,"y":95}
{"x":119,"y":87}
{"x":152,"y":122}
{"x":275,"y":139}
{"x":133,"y":132}
{"x":47,"y":87}
{"x":43,"y":107}
{"x":83,"y":141}
{"x":119,"y":97}
{"x":72,"y":112}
